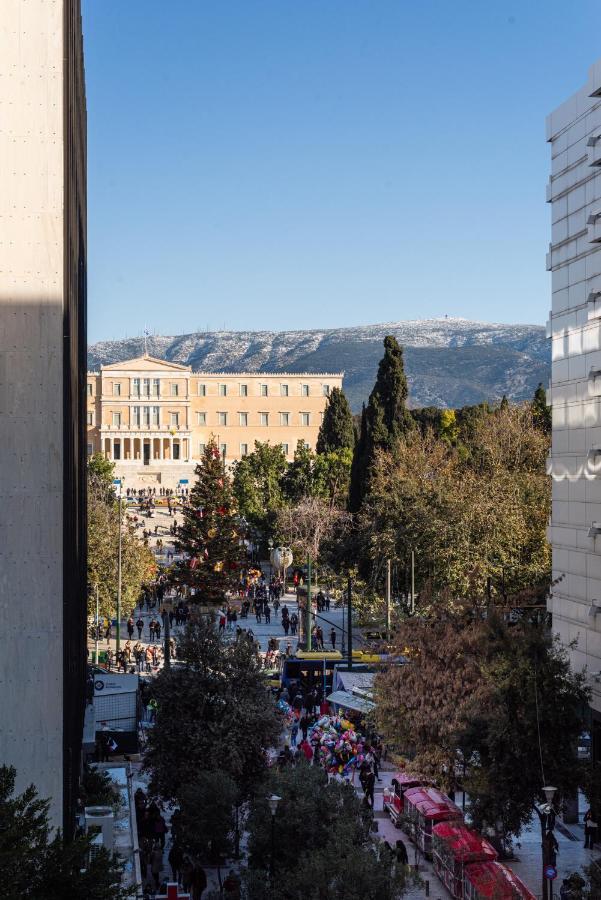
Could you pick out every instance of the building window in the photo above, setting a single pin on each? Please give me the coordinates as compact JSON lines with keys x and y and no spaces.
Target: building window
{"x":222,"y":416}
{"x":283,"y":390}
{"x":90,"y":418}
{"x":116,"y":420}
{"x":174,"y":420}
{"x":176,"y":450}
{"x":174,"y":390}
{"x":136,"y":389}
{"x":223,"y":390}
{"x":305,"y":419}
{"x":146,"y":416}
{"x":244,"y":390}
{"x":243,"y":449}
{"x":156,"y":387}
{"x":201,"y":449}
{"x":307,"y":446}
{"x":202,"y":390}
{"x":243,"y":419}
{"x":263,"y":390}
{"x":136,"y":421}
{"x":117,"y":450}
{"x":201,"y":418}
{"x":284,"y":418}
{"x":156,"y":415}
{"x":90,"y":449}
{"x":264,"y":418}
{"x":116,"y":389}
{"x":285,"y":449}
{"x":326,"y":390}
{"x":304,"y":390}
{"x":89,"y":390}
{"x":223,"y":449}
{"x":146,"y":387}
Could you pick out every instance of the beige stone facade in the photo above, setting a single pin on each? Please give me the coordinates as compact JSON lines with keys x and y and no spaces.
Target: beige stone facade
{"x":153,"y":418}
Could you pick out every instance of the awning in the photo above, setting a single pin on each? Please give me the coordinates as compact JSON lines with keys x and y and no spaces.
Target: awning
{"x":351,"y":701}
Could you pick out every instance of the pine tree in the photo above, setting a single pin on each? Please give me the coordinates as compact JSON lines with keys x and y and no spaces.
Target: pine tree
{"x":386,"y":418}
{"x":337,"y":431}
{"x":541,"y":413}
{"x":209,"y":534}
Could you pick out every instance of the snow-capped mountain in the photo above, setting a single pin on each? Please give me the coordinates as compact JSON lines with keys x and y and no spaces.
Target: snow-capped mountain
{"x":449,"y":362}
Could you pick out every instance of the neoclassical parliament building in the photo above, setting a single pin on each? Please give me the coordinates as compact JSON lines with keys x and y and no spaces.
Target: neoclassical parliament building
{"x":153,"y":418}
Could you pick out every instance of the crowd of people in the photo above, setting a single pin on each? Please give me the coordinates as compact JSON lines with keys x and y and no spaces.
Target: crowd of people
{"x":152,"y":835}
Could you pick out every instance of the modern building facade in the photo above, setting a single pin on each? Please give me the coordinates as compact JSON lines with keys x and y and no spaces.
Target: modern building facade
{"x":574,"y":259}
{"x":153,"y":418}
{"x":42,"y":397}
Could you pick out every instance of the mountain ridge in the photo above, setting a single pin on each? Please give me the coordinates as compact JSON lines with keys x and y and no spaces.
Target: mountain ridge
{"x":449,"y":361}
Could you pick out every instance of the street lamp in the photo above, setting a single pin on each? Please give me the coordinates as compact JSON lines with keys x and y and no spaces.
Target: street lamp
{"x":546,"y":815}
{"x":270,"y":546}
{"x":272,"y":802}
{"x":118,"y":482}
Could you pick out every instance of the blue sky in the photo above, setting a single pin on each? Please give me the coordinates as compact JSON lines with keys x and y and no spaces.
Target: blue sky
{"x":277,"y":164}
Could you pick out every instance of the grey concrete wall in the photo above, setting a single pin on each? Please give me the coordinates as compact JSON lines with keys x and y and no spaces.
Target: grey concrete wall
{"x":31,"y":394}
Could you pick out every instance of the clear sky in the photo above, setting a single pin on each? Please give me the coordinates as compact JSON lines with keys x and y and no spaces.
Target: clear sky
{"x":277,"y":164}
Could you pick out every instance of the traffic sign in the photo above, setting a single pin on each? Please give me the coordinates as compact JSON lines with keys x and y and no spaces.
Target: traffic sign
{"x":550,"y":872}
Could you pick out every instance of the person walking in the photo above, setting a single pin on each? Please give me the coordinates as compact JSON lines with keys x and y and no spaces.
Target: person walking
{"x":176,"y":859}
{"x":156,"y":863}
{"x":140,"y":627}
{"x":370,"y":783}
{"x":130,"y":627}
{"x":333,"y":638}
{"x":293,"y":734}
{"x":293,"y":623}
{"x":590,"y":830}
{"x":304,"y":726}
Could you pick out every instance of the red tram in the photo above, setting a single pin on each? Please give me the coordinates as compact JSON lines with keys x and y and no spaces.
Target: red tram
{"x":424,"y":807}
{"x":454,"y":847}
{"x":393,"y":796}
{"x":493,"y":881}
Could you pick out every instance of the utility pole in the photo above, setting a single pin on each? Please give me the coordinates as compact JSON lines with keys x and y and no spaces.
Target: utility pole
{"x":412,"y":581}
{"x":167,"y":607}
{"x":350,"y":622}
{"x":388,"y":567}
{"x":309,"y":609}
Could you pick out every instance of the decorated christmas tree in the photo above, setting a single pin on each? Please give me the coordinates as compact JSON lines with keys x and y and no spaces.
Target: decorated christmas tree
{"x":209,"y":534}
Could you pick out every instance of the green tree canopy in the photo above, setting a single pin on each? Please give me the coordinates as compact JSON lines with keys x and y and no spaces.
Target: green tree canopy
{"x":323,"y":846}
{"x":214,"y":713}
{"x":38,"y":865}
{"x":209,"y":535}
{"x":257,"y":485}
{"x":337,"y":431}
{"x":137,"y":562}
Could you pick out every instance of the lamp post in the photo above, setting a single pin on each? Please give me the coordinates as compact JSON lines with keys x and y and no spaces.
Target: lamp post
{"x":167,"y":608}
{"x":96,"y":627}
{"x":119,"y":483}
{"x":272,"y":802}
{"x":546,"y":814}
{"x":309,"y":611}
{"x":270,"y":547}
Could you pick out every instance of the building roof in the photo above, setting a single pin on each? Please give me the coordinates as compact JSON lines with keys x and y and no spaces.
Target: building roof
{"x":351,"y":701}
{"x":148,"y":363}
{"x":144,"y":363}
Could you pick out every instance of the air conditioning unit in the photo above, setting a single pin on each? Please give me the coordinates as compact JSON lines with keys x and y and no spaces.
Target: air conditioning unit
{"x":100,"y":820}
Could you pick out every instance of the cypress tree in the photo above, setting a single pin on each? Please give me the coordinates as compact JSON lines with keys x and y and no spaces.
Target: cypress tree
{"x":541,"y":413}
{"x":209,"y":533}
{"x":386,"y":418}
{"x":337,"y":431}
{"x":358,"y":466}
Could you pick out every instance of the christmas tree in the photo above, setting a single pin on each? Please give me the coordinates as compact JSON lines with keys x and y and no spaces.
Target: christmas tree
{"x":209,"y":534}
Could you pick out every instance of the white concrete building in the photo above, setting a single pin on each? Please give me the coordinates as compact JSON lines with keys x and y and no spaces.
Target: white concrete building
{"x":574,"y":259}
